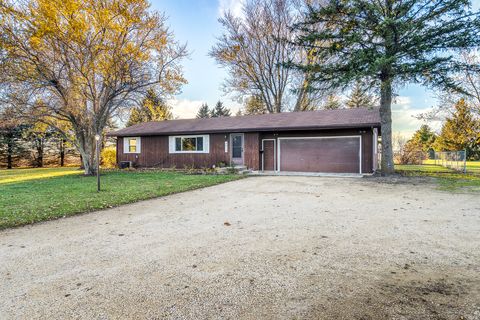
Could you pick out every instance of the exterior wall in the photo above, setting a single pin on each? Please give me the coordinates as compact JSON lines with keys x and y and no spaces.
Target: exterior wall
{"x":155,"y":153}
{"x":366,"y":134}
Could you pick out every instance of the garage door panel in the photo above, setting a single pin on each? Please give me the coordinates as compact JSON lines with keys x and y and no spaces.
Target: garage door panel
{"x":336,"y":155}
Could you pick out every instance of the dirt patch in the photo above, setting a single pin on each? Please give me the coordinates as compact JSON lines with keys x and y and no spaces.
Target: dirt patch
{"x":406,"y":295}
{"x":430,"y":295}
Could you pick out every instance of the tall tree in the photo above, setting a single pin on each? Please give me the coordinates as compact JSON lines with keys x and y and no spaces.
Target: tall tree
{"x":220,"y":111}
{"x":152,"y":108}
{"x":254,"y":49}
{"x":360,"y":97}
{"x":461,"y":131}
{"x":424,"y":138}
{"x":204,"y":111}
{"x":38,"y":134}
{"x":255,"y":105}
{"x":11,"y":134}
{"x":84,"y":61}
{"x":470,"y":81}
{"x":332,"y":102}
{"x":390,"y":42}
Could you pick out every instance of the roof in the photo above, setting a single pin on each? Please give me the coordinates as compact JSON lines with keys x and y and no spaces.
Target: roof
{"x":306,"y":120}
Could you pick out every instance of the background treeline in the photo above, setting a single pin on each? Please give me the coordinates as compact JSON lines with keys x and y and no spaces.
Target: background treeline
{"x":27,"y":145}
{"x":78,"y":71}
{"x":460,"y":131}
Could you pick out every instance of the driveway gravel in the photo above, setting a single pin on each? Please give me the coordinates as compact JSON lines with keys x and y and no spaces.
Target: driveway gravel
{"x":258,"y":248}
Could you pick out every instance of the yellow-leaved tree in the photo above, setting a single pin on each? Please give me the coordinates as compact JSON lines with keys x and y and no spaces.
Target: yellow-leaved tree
{"x":85,"y":61}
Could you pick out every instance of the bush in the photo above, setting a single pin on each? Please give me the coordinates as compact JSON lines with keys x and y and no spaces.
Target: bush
{"x":109,"y":157}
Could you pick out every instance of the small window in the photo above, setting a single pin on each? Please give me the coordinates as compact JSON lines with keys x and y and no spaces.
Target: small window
{"x":131,"y":145}
{"x":189,"y":144}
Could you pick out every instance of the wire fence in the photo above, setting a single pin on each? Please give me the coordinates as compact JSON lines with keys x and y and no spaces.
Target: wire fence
{"x":455,"y":160}
{"x":439,"y":162}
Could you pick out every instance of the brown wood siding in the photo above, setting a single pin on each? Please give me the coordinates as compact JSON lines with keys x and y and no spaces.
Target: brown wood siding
{"x":155,"y":153}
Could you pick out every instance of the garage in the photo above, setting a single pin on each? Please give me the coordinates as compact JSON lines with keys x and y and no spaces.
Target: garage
{"x":334,"y":154}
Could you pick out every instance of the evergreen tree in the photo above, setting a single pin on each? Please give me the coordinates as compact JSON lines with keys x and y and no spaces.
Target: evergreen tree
{"x":461,"y":132}
{"x":203,"y":112}
{"x":424,"y":138}
{"x":152,"y":108}
{"x":390,"y":42}
{"x":255,"y":105}
{"x":416,"y":149}
{"x":12,"y":131}
{"x":332,"y":102}
{"x":360,"y":97}
{"x":220,"y":111}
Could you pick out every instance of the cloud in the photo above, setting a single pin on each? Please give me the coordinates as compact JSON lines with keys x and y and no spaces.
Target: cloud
{"x":402,"y":101}
{"x":184,"y":108}
{"x":187,"y":109}
{"x":404,"y":117}
{"x":234,"y":6}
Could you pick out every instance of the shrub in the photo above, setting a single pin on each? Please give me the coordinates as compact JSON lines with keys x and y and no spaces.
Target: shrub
{"x":109,"y":157}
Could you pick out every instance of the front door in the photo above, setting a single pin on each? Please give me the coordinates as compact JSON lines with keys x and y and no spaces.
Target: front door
{"x":237,"y":148}
{"x":268,"y":155}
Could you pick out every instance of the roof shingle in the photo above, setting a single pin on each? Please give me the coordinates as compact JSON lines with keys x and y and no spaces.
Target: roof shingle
{"x":307,"y":120}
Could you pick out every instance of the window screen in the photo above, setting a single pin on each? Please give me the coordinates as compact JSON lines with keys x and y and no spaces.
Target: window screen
{"x":189,"y":144}
{"x":132,"y":145}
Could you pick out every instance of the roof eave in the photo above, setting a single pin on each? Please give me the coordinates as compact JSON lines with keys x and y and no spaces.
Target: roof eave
{"x":263,"y":129}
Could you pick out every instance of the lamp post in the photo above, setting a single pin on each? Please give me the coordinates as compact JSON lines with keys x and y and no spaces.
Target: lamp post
{"x":97,"y":140}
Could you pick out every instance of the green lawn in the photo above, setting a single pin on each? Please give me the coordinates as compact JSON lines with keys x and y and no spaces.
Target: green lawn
{"x":421,"y":168}
{"x":472,"y":166}
{"x":32,"y":195}
{"x":447,"y":179}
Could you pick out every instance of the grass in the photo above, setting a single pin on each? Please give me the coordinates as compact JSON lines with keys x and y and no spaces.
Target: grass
{"x":472,"y":166}
{"x":422,"y":168}
{"x":447,"y":179}
{"x":18,"y":175}
{"x":33,"y":195}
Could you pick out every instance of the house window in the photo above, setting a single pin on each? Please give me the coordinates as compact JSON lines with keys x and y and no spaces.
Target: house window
{"x":189,"y":144}
{"x":131,"y":144}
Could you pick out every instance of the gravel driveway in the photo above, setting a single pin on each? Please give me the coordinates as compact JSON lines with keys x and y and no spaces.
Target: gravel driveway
{"x":259,"y":248}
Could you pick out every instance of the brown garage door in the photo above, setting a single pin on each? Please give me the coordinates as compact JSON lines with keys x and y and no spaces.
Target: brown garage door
{"x":332,"y":154}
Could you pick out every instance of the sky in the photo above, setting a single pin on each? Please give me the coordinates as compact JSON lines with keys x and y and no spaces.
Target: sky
{"x":195,"y":22}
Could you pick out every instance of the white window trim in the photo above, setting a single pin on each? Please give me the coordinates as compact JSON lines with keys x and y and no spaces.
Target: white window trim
{"x":126,"y":146}
{"x":206,"y":143}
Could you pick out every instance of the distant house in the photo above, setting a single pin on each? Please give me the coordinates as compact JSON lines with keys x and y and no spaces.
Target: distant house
{"x":339,"y":141}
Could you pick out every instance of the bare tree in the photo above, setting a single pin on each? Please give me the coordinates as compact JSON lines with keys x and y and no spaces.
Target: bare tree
{"x":255,"y":50}
{"x":447,"y":99}
{"x":470,"y":82}
{"x":83,"y":62}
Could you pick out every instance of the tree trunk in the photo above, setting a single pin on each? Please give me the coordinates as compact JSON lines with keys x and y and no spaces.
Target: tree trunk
{"x":39,"y":160}
{"x":386,"y":122}
{"x":62,"y":152}
{"x":9,"y":154}
{"x":86,"y":147}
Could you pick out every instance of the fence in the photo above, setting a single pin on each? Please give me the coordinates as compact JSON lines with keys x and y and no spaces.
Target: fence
{"x":456,"y":160}
{"x":441,"y":162}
